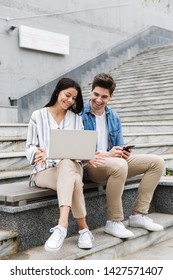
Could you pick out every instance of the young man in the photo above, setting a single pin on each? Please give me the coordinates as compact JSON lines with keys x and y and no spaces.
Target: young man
{"x":119,"y":164}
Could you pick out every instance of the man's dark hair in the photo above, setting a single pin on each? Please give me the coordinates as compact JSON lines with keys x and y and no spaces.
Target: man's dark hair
{"x":105,"y":81}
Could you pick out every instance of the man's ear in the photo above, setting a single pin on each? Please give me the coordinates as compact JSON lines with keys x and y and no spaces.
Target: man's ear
{"x":112,"y":95}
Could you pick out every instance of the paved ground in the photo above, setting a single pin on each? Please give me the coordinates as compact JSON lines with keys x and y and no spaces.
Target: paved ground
{"x":161,"y":251}
{"x":107,"y":247}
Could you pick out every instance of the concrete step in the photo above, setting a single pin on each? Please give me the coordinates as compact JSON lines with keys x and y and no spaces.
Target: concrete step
{"x":151,"y":92}
{"x":13,"y":129}
{"x":147,"y":126}
{"x":145,"y":59}
{"x":147,"y":113}
{"x":9,"y":242}
{"x":154,"y":148}
{"x":13,"y":160}
{"x":105,"y":247}
{"x":136,"y":82}
{"x":8,"y":176}
{"x":148,"y":137}
{"x":159,"y":251}
{"x":151,"y":101}
{"x":153,"y":77}
{"x":12,"y":143}
{"x":140,"y":109}
{"x":148,"y":58}
{"x":138,"y":70}
{"x":148,"y":117}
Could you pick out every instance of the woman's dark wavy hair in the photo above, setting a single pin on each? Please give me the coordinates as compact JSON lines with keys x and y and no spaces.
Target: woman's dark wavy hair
{"x":63,"y":84}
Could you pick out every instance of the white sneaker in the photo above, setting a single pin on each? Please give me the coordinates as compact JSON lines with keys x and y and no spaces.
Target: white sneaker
{"x":55,"y":241}
{"x":143,"y":221}
{"x":116,"y":228}
{"x":85,"y":239}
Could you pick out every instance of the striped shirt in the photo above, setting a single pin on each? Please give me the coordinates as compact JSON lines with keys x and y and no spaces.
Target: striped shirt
{"x":40,"y":124}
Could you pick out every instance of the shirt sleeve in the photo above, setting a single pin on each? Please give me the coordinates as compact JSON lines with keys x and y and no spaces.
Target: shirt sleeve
{"x":32,"y":139}
{"x":120,"y":139}
{"x":79,"y":123}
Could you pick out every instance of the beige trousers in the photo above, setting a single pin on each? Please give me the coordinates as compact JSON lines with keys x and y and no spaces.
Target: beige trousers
{"x":114,"y":173}
{"x":66,"y":179}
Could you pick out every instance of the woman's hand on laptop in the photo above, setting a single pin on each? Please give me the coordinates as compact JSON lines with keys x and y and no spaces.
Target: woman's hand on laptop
{"x":98,"y":160}
{"x":40,"y":156}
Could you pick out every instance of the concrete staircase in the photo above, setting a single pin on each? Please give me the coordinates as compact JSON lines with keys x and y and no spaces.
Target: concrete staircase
{"x":13,"y":163}
{"x":144,"y":102}
{"x":9,"y":242}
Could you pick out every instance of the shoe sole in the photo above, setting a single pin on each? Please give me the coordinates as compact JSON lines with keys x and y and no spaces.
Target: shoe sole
{"x":138,"y":226}
{"x":118,"y":236}
{"x":85,"y":246}
{"x":51,"y":250}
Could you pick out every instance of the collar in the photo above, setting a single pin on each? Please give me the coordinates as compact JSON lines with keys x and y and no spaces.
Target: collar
{"x":87,"y":108}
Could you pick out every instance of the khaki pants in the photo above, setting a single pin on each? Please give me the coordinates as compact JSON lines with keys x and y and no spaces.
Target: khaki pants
{"x":66,"y":179}
{"x":114,"y":173}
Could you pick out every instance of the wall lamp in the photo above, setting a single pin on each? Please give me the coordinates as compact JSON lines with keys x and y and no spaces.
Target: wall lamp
{"x":11,"y":28}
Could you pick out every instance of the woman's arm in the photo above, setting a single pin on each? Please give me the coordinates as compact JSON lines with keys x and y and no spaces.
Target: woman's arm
{"x":32,"y":140}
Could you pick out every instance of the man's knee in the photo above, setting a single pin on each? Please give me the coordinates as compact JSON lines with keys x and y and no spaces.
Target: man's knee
{"x":160,"y":163}
{"x":119,"y":166}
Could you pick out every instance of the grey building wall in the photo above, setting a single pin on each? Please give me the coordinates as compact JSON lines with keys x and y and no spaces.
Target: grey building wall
{"x":92,"y":25}
{"x":151,"y":37}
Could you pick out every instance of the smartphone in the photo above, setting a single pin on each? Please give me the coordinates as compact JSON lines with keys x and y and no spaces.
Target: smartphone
{"x":127,"y":147}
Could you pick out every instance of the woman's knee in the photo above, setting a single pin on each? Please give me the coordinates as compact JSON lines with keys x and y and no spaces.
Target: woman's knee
{"x":78,"y":186}
{"x":66,"y":162}
{"x":66,"y":166}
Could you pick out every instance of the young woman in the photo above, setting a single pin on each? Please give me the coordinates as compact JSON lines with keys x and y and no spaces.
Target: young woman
{"x":63,"y":176}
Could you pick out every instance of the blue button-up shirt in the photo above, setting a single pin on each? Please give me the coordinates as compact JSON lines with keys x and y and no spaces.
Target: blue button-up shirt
{"x":115,"y":136}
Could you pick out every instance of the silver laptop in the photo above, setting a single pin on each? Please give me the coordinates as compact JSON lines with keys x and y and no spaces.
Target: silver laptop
{"x":72,"y":144}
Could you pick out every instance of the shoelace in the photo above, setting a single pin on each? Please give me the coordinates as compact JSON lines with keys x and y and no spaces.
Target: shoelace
{"x":119,"y":223}
{"x":147,"y":218}
{"x":86,"y":233}
{"x":57,"y":233}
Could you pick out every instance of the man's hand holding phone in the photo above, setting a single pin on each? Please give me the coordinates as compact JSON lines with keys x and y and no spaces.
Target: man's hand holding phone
{"x":128,"y":147}
{"x":126,"y":151}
